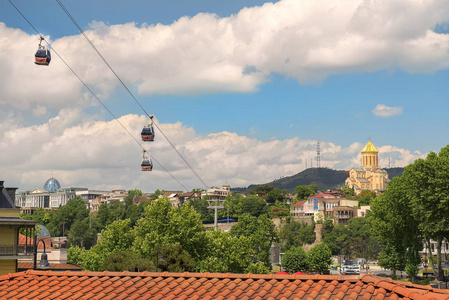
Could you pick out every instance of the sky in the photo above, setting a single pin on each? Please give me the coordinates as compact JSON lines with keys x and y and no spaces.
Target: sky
{"x":244,"y":90}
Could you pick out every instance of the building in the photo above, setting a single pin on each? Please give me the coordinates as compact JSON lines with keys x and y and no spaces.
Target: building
{"x":369,"y":176}
{"x":10,"y":225}
{"x":149,"y":285}
{"x":217,"y":193}
{"x":325,"y":206}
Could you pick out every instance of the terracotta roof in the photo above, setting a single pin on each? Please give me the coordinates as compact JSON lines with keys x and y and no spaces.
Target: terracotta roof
{"x":299,"y":203}
{"x":30,"y":241}
{"x":128,"y":285}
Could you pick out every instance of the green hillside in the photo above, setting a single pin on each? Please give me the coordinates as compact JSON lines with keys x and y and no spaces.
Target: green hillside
{"x":324,"y":178}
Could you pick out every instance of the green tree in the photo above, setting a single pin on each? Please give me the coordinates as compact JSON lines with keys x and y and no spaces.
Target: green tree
{"x":427,"y":182}
{"x":296,"y":234}
{"x":365,"y":197}
{"x":347,"y":192}
{"x":276,"y":195}
{"x":262,"y":190}
{"x":200,"y":206}
{"x":172,"y":258}
{"x":261,"y":231}
{"x":295,"y":260}
{"x":304,"y":191}
{"x":320,"y":258}
{"x":227,"y":253}
{"x":65,"y":216}
{"x":126,"y":261}
{"x":254,"y":206}
{"x":161,"y":223}
{"x":82,"y":234}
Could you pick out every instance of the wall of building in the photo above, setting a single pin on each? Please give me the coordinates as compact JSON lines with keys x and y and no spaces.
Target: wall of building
{"x":8,"y":266}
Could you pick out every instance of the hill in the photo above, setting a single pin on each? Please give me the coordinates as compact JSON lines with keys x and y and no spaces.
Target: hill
{"x":324,"y":178}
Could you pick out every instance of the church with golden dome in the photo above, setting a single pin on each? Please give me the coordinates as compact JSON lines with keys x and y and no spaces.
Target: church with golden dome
{"x":369,"y":176}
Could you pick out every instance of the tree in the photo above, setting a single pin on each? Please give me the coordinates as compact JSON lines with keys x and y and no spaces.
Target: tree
{"x":161,"y":223}
{"x":82,"y":234}
{"x":227,"y":253}
{"x":365,"y":197}
{"x":172,"y":258}
{"x":276,"y":195}
{"x":347,"y":192}
{"x":320,"y":258}
{"x":63,"y":218}
{"x":262,"y":190}
{"x":304,"y":191}
{"x":200,"y":206}
{"x":296,"y":234}
{"x":427,"y":182}
{"x":126,"y":261}
{"x":295,"y":260}
{"x":254,"y":206}
{"x":261,"y":231}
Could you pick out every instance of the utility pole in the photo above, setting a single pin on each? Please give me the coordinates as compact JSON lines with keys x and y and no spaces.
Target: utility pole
{"x":216,"y":204}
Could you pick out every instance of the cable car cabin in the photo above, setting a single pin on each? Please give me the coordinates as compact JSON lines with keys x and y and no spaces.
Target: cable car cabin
{"x":147,"y":134}
{"x":147,"y":165}
{"x":42,"y":57}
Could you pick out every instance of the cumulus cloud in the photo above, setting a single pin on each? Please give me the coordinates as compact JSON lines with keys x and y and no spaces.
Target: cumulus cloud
{"x":208,"y":54}
{"x":384,"y":111}
{"x":100,"y":154}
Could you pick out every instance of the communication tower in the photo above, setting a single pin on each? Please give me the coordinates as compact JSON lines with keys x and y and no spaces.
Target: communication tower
{"x":318,"y":155}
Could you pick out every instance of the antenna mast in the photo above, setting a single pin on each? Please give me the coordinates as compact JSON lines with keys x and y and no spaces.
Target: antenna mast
{"x":318,"y":155}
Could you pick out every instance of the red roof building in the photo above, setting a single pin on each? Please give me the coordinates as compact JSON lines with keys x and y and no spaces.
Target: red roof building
{"x":128,"y":285}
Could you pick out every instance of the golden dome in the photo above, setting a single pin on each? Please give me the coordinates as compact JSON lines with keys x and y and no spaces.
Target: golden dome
{"x":370,"y":148}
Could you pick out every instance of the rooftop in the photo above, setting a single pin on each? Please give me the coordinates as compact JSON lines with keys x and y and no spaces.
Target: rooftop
{"x":128,"y":285}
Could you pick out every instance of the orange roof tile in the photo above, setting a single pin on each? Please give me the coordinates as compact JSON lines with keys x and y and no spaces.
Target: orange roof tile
{"x":148,"y":285}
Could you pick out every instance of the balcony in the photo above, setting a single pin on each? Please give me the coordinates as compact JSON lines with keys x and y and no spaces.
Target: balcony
{"x":16,"y":252}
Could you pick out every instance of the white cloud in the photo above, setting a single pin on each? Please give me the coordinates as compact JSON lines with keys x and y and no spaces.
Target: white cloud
{"x":101,"y":154}
{"x":384,"y":111}
{"x":208,"y":54}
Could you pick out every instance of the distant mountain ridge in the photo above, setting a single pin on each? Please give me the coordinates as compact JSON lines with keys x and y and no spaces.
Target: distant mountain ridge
{"x":324,"y":178}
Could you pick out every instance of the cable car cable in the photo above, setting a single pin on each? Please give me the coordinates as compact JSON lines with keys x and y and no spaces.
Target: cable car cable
{"x":128,"y":90}
{"x":93,"y":94}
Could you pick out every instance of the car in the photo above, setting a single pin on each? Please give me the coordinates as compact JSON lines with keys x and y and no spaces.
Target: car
{"x":351,"y":270}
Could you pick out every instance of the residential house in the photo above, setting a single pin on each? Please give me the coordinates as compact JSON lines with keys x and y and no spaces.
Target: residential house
{"x":10,"y":224}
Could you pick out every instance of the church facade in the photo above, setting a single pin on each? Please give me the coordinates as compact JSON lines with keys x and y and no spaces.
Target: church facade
{"x":369,"y":176}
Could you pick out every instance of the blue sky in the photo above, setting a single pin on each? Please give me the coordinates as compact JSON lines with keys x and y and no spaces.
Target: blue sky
{"x":244,"y":89}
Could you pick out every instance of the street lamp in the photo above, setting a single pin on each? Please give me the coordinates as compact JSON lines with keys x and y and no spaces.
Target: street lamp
{"x":43,"y":264}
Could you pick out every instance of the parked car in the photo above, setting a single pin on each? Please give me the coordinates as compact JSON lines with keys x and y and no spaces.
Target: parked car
{"x":351,"y":270}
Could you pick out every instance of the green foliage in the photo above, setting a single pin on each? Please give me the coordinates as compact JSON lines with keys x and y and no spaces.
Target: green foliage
{"x":172,"y":258}
{"x":296,"y":234}
{"x":276,"y":195}
{"x":320,"y":258}
{"x":261,"y":231}
{"x":156,"y":194}
{"x":82,"y":234}
{"x":262,"y":190}
{"x":226,"y":253}
{"x":279,"y":210}
{"x":126,"y":261}
{"x":337,"y":240}
{"x":200,"y":206}
{"x":162,"y":223}
{"x":295,"y":260}
{"x":365,"y":197}
{"x":392,"y":217}
{"x":347,"y":192}
{"x":304,"y":191}
{"x":42,"y":216}
{"x":238,"y":205}
{"x":257,"y":268}
{"x":66,"y":215}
